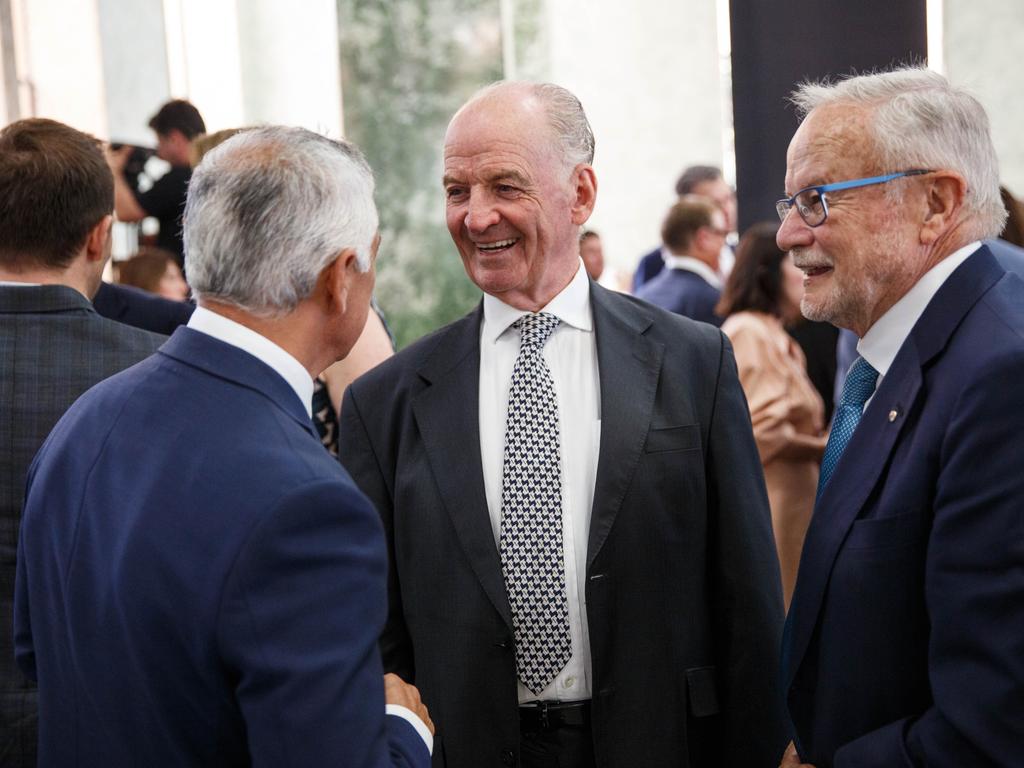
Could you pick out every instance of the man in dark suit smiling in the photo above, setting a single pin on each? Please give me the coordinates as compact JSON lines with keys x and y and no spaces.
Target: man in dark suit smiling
{"x":582,"y":563}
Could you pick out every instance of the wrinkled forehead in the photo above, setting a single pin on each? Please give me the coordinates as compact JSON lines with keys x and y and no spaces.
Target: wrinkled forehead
{"x":499,"y":121}
{"x":833,"y":143}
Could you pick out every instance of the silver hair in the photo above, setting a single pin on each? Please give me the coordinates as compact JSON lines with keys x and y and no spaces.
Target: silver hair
{"x":568,"y":121}
{"x":268,"y":209}
{"x":920,"y":120}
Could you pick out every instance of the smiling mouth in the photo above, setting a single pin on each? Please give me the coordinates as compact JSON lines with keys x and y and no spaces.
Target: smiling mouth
{"x":815,"y":271}
{"x":497,"y":246}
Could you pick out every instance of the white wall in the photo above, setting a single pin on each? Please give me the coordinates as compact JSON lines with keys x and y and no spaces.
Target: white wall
{"x":647,"y":73}
{"x":60,"y":55}
{"x":983,"y":51}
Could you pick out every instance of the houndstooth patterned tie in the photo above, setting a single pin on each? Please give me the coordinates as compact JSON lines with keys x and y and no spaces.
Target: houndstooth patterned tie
{"x":858,"y":388}
{"x":531,"y":513}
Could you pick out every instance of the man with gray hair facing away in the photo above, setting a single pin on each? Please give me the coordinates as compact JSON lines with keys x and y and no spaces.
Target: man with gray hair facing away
{"x":583,"y":568}
{"x":905,"y":639}
{"x":226,"y":612}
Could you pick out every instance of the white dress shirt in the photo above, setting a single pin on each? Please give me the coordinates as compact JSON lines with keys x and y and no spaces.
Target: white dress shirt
{"x":698,"y":267}
{"x":571,"y":356}
{"x":883,"y":340}
{"x":260,"y":347}
{"x":298,"y":378}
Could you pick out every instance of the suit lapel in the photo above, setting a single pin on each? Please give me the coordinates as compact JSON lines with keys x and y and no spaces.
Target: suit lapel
{"x":629,"y":365}
{"x":868,"y":452}
{"x":447,"y":413}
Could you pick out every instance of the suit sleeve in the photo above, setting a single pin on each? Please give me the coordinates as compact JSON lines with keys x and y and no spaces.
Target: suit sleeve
{"x":299,"y":619}
{"x":747,"y":587}
{"x":359,"y":457}
{"x":974,"y":591}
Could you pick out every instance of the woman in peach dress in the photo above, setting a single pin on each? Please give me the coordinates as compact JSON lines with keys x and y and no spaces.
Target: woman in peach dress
{"x":761,"y":296}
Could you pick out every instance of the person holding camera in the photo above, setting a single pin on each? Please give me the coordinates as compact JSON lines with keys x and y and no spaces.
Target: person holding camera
{"x":176,"y":124}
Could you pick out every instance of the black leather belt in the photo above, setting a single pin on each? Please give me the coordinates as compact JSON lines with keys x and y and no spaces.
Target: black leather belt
{"x":545,"y":715}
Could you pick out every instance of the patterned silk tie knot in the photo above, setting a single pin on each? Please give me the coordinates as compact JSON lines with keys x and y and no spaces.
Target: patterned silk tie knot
{"x":532,"y":556}
{"x":536,"y":328}
{"x":857,"y":390}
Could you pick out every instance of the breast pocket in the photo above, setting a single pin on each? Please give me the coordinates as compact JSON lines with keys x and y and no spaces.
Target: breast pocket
{"x":666,"y":439}
{"x":891,"y":532}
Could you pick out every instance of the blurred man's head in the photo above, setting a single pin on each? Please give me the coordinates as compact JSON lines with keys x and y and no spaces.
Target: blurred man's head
{"x":275,"y":213}
{"x":695,"y":227}
{"x":933,"y":186}
{"x":56,"y":199}
{"x":518,"y":187}
{"x":707,"y":181}
{"x":176,"y":124}
{"x":592,"y":253}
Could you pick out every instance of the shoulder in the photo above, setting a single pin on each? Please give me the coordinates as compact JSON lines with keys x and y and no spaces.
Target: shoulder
{"x":748,"y":325}
{"x":657,"y":323}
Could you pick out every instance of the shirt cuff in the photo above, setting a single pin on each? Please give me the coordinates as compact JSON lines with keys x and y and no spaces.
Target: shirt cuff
{"x":407,"y":714}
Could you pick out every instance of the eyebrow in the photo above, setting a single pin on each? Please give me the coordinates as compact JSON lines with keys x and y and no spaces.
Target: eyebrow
{"x":513,"y":176}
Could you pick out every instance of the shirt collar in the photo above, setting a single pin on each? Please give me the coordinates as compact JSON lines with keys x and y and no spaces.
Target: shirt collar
{"x":571,"y":306}
{"x":260,"y":347}
{"x":884,"y":339}
{"x":696,"y":266}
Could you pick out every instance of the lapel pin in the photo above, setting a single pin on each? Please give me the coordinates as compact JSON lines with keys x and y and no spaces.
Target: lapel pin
{"x":893,"y":414}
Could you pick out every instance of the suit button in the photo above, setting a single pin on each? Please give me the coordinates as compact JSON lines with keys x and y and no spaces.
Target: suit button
{"x":508,"y":757}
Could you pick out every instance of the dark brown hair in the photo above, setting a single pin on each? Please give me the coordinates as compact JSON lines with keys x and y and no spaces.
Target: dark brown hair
{"x":1013,"y":231}
{"x":684,"y":219}
{"x":755,"y":283}
{"x":178,"y":115}
{"x":694,"y":176}
{"x":55,"y":186}
{"x":145,"y":269}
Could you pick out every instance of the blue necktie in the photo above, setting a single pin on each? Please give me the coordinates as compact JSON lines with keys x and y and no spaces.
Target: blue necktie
{"x":859,"y":386}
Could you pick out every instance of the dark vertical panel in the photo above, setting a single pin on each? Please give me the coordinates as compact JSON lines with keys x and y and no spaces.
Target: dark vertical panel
{"x":776,"y":45}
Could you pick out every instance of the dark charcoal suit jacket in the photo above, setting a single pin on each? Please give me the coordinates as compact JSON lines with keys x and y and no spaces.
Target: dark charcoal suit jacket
{"x":905,"y":639}
{"x":225,"y":613}
{"x":683,"y":594}
{"x":53,"y":347}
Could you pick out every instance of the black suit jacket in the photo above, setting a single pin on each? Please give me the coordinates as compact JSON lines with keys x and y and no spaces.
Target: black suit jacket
{"x":683,"y":594}
{"x":53,"y":347}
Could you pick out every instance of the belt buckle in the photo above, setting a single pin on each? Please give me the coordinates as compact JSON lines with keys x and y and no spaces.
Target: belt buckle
{"x":542,"y":710}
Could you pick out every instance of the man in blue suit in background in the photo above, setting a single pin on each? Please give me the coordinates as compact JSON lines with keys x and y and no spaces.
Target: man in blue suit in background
{"x":903,"y":645}
{"x":199,"y":582}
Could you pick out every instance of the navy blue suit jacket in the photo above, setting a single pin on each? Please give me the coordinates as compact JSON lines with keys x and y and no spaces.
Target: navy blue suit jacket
{"x":225,"y":613}
{"x":905,"y":640}
{"x":685,"y":293}
{"x":138,"y":308}
{"x":647,"y":268}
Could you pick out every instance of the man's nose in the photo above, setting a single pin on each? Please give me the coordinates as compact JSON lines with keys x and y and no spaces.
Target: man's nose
{"x":480,"y":214}
{"x":794,"y":232}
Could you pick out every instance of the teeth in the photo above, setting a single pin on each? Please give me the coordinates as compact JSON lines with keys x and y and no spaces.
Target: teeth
{"x":496,"y":246}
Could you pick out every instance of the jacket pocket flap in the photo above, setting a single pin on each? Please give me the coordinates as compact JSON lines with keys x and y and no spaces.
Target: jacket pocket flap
{"x":684,"y":438}
{"x":702,"y":691}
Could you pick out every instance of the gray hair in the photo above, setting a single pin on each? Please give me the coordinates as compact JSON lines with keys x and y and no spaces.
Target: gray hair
{"x":568,"y":121}
{"x":919,"y":120}
{"x":268,"y":209}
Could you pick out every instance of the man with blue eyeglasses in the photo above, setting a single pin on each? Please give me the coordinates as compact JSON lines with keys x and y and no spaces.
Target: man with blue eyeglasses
{"x":904,"y":645}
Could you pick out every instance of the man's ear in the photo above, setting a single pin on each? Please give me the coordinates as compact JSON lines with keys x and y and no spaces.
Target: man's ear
{"x":944,"y":197}
{"x":333,"y":282}
{"x":585,"y":188}
{"x":96,"y":240}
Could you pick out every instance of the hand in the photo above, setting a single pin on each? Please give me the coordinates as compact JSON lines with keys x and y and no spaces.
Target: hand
{"x":397,"y":691}
{"x":790,"y":759}
{"x":116,"y":158}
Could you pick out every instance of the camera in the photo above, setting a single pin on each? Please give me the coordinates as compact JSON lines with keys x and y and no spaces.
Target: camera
{"x":136,"y":163}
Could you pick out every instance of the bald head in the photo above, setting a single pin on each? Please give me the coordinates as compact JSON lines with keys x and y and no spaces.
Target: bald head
{"x":570,"y":133}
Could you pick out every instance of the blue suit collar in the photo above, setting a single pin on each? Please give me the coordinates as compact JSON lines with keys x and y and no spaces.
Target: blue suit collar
{"x":230,"y":363}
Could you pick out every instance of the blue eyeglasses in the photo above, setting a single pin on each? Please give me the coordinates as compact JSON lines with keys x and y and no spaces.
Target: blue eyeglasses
{"x":811,"y":204}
